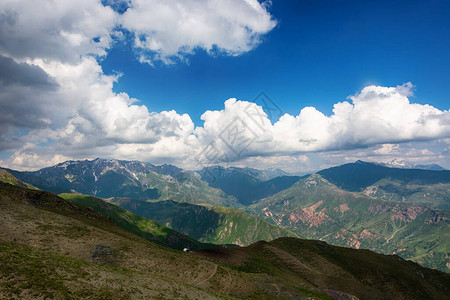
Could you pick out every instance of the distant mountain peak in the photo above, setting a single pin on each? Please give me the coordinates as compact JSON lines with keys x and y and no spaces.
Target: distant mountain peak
{"x":398,"y":163}
{"x":361,"y":162}
{"x":403,"y":164}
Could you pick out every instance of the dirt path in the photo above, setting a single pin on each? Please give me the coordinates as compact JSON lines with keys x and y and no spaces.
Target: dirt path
{"x":228,"y":282}
{"x":202,"y":281}
{"x":393,"y":234}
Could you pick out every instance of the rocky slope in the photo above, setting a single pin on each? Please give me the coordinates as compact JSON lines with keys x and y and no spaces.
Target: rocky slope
{"x":314,"y":208}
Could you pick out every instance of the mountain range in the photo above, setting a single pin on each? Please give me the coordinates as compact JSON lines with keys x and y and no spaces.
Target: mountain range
{"x":106,"y":178}
{"x":360,"y":205}
{"x":245,"y":184}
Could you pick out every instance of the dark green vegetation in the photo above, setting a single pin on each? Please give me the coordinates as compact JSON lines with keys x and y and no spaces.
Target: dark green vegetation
{"x":208,"y":224}
{"x":424,"y":187}
{"x":314,"y":208}
{"x":53,"y":248}
{"x":138,"y":225}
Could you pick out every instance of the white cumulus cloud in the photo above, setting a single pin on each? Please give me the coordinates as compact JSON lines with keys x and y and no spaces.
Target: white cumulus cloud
{"x":167,"y":29}
{"x":63,"y":30}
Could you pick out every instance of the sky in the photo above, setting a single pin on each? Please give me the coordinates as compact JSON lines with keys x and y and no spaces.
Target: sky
{"x":296,"y":85}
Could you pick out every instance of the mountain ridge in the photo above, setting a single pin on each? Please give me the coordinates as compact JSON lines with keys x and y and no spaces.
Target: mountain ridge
{"x":423,"y":187}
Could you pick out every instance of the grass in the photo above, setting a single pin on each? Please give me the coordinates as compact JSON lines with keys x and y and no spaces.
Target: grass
{"x":44,"y":273}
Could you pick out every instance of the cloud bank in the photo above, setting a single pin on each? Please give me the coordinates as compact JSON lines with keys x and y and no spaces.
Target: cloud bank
{"x":56,"y":103}
{"x":376,"y":115}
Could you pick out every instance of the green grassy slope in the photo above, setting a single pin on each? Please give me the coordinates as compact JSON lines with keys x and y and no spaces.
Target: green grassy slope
{"x":31,"y":273}
{"x":208,"y":224}
{"x":138,"y":225}
{"x":316,"y":209}
{"x":7,"y":177}
{"x":51,"y":247}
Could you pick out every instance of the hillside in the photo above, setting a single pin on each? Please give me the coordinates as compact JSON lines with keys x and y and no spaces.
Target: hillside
{"x":52,"y":248}
{"x":358,"y":175}
{"x":138,"y":225}
{"x":431,"y":195}
{"x":314,"y":208}
{"x":360,"y":273}
{"x":208,"y":224}
{"x":7,"y":177}
{"x":424,"y":187}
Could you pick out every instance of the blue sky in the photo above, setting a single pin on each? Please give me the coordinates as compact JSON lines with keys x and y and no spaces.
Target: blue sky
{"x":319,"y":53}
{"x":160,"y":81}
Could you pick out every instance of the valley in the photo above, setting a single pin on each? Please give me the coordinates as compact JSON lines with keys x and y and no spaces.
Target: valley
{"x":273,"y":235}
{"x":359,"y":205}
{"x":207,"y":224}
